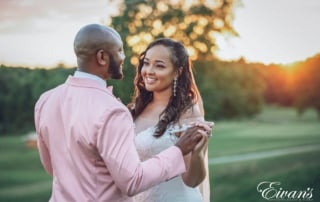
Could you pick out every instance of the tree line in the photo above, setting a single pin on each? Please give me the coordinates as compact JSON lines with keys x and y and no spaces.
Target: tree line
{"x":228,"y":89}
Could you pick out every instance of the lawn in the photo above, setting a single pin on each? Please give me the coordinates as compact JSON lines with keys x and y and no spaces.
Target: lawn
{"x":22,"y":177}
{"x":273,"y":130}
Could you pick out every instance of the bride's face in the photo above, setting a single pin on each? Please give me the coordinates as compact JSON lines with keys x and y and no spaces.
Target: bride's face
{"x":158,"y":71}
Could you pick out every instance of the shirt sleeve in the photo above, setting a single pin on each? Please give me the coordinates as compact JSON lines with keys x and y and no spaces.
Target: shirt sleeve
{"x":115,"y":143}
{"x":43,"y":150}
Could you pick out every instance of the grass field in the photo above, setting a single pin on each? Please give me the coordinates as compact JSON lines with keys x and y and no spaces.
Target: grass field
{"x":275,"y":129}
{"x":22,"y":177}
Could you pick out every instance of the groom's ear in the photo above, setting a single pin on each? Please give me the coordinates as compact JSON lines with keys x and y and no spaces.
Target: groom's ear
{"x":102,"y":57}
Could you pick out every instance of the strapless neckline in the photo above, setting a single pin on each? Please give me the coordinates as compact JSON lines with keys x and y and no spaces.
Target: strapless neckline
{"x":172,"y":190}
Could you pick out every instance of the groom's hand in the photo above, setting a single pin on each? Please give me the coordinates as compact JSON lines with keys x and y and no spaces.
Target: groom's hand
{"x":189,"y":139}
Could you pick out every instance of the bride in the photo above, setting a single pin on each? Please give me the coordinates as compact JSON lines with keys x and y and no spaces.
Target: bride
{"x":166,"y":102}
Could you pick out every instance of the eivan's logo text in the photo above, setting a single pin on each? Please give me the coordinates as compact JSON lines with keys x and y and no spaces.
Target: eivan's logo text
{"x":272,"y":191}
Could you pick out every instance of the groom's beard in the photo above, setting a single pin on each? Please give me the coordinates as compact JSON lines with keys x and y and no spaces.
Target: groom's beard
{"x":115,"y":69}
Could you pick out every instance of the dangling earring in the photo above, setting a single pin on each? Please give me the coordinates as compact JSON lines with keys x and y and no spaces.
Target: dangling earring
{"x":174,"y":87}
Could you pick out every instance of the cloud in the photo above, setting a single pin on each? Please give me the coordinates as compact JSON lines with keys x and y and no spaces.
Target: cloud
{"x":279,"y":31}
{"x":21,"y":14}
{"x":41,"y":32}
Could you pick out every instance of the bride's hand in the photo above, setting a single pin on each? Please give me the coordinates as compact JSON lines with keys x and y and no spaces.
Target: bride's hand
{"x":189,"y":139}
{"x":201,"y":147}
{"x":206,"y":126}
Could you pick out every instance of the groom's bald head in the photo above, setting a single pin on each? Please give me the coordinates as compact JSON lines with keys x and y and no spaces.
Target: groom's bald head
{"x":92,"y":38}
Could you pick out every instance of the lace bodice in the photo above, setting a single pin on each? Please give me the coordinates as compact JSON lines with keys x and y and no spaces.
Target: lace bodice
{"x":148,"y":145}
{"x":172,"y":190}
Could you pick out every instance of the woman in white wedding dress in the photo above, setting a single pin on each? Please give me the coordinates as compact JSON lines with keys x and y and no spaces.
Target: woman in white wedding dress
{"x":167,"y":99}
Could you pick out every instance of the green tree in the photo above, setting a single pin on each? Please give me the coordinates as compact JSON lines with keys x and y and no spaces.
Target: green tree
{"x":279,"y":85}
{"x":195,"y":23}
{"x":230,"y":89}
{"x":16,"y":107}
{"x":307,"y":85}
{"x":19,"y":90}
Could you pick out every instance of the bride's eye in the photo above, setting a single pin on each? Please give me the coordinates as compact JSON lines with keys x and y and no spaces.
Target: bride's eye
{"x":160,"y":66}
{"x":145,"y":63}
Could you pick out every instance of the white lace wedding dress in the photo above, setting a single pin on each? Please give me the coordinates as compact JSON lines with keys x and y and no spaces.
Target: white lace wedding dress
{"x":173,"y":190}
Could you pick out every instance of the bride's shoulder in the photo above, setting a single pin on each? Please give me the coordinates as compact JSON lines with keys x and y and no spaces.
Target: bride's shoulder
{"x":194,"y":112}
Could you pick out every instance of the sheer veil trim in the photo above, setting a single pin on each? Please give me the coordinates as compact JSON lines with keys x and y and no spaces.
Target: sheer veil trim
{"x":205,"y":185}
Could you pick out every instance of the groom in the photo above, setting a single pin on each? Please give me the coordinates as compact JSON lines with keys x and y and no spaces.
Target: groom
{"x":86,"y":136}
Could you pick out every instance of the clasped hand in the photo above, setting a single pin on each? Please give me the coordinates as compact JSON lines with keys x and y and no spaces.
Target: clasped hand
{"x":195,"y":137}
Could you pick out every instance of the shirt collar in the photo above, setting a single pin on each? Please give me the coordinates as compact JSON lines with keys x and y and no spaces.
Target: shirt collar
{"x":80,"y":74}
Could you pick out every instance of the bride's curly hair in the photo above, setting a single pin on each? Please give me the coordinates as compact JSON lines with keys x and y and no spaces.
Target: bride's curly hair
{"x":186,"y":90}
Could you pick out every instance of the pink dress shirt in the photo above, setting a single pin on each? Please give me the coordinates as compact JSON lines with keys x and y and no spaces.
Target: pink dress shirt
{"x":86,"y":142}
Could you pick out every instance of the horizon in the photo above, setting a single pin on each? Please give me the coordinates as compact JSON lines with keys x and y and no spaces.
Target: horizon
{"x":62,"y":65}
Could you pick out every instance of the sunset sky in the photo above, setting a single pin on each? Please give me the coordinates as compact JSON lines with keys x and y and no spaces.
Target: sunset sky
{"x":41,"y":32}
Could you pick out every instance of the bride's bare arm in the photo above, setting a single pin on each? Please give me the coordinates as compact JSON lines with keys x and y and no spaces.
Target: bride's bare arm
{"x":196,"y":170}
{"x":195,"y":161}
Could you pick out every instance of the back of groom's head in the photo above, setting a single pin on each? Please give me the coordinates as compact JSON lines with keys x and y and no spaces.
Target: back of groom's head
{"x":91,"y":38}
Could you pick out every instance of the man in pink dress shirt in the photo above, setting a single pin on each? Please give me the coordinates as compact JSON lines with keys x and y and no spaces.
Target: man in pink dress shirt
{"x":86,"y":135}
